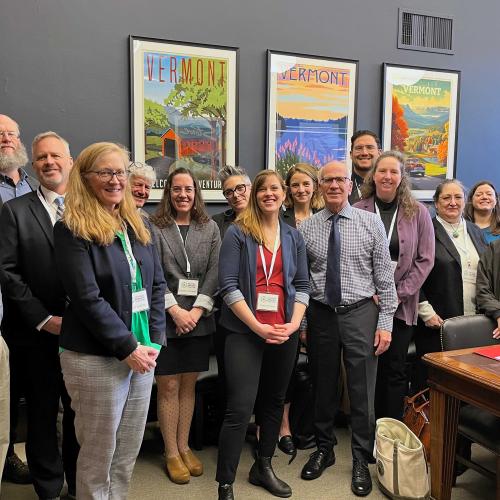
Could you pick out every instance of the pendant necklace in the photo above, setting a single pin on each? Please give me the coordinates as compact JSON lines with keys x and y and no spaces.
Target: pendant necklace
{"x":455,"y":230}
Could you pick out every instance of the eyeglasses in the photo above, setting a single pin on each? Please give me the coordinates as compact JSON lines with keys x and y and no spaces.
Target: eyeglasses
{"x":369,"y":147}
{"x":9,"y":134}
{"x":106,"y":175}
{"x":339,"y":180}
{"x":239,"y":189}
{"x":179,"y":190}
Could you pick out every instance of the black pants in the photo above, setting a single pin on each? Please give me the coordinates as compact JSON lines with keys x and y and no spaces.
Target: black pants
{"x":38,"y":372}
{"x":328,"y":335}
{"x":426,"y":340}
{"x":392,"y":381}
{"x":252,"y":365}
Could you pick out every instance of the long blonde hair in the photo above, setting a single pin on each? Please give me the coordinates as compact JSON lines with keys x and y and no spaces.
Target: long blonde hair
{"x":250,"y":220}
{"x":85,"y":216}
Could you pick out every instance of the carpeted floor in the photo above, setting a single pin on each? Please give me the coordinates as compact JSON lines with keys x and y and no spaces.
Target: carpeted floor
{"x":151,"y":483}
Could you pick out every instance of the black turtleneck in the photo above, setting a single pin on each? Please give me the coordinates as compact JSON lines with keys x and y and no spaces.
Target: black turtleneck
{"x":387,"y":211}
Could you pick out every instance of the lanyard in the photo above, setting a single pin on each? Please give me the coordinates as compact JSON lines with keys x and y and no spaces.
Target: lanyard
{"x":188,"y":265}
{"x":127,"y":248}
{"x":275,"y":251}
{"x":391,"y":227}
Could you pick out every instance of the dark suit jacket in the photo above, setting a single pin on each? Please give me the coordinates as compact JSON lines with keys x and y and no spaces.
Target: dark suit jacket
{"x":443,"y":287}
{"x":238,"y":267}
{"x":224,"y":220}
{"x":97,"y":281}
{"x":30,"y":285}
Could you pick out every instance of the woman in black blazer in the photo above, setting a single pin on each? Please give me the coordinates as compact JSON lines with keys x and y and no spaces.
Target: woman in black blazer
{"x":114,"y":323}
{"x":264,"y":282}
{"x":450,"y":288}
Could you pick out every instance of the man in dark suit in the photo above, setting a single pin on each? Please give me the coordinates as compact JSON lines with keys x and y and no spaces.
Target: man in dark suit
{"x":14,"y":182}
{"x":34,"y":303}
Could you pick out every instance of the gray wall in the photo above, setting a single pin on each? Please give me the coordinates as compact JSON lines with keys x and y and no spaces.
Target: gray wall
{"x":64,"y":63}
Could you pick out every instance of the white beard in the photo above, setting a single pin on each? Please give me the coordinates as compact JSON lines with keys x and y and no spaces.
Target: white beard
{"x":14,"y":161}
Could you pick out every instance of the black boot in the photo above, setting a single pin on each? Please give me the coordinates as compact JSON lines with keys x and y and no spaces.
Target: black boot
{"x":226,"y":492}
{"x":262,"y":474}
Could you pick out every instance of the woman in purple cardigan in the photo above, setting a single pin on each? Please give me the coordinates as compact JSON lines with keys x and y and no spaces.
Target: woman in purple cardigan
{"x":409,"y":229}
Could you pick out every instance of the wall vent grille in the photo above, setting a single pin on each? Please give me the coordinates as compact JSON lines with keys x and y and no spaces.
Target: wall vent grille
{"x":426,"y":32}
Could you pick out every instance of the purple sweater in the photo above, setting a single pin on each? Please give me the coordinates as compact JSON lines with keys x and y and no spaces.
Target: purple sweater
{"x":416,"y":257}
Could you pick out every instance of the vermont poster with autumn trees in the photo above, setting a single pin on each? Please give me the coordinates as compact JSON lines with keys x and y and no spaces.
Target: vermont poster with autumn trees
{"x":184,"y":110}
{"x":420,"y":115}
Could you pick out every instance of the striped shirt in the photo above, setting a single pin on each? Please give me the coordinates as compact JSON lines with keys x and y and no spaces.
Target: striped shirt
{"x":365,"y":261}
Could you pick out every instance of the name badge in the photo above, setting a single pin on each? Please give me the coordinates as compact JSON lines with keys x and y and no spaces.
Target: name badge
{"x":267,"y":302}
{"x":140,"y":301}
{"x":188,"y":288}
{"x":469,"y":274}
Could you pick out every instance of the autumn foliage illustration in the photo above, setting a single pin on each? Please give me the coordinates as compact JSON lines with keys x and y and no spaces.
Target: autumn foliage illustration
{"x":399,"y":126}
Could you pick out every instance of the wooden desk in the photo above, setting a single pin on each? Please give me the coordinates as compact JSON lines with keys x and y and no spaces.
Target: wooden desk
{"x":456,"y":376}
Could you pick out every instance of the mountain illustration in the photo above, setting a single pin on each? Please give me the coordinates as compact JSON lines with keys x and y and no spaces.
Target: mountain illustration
{"x":433,"y":117}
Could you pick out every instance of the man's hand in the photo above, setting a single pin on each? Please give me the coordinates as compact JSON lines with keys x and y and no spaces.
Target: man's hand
{"x":382,"y":341}
{"x":496,"y":331}
{"x":435,"y":322}
{"x":53,"y":326}
{"x":142,"y":360}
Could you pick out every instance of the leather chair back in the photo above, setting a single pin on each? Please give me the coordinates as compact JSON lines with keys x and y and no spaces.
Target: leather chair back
{"x":462,"y":332}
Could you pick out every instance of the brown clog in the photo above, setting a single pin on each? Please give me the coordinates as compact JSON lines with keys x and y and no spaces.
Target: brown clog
{"x":190,"y":460}
{"x":177,"y":471}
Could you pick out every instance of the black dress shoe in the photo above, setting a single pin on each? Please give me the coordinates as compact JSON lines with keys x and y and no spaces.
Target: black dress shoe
{"x":317,"y":463}
{"x":286,"y":445}
{"x":361,"y":484}
{"x":262,"y":474}
{"x":226,"y":492}
{"x":16,"y":471}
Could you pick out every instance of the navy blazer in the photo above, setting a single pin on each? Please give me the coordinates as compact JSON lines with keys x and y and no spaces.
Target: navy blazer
{"x":238,"y":268}
{"x":97,"y":281}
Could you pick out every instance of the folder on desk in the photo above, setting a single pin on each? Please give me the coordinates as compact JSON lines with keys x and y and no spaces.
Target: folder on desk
{"x":492,"y":352}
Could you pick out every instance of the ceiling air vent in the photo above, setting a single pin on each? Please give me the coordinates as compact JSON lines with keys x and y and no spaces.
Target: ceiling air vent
{"x":424,"y":31}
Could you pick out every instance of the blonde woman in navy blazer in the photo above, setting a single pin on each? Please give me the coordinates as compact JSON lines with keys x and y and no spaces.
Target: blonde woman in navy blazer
{"x":259,"y":354}
{"x":188,"y":244}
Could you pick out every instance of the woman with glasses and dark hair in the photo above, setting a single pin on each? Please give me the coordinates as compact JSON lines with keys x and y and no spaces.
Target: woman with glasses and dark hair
{"x":483,"y":208}
{"x":188,"y":244}
{"x":450,"y":288}
{"x":264,"y":282}
{"x":387,"y":192}
{"x":236,"y":189}
{"x":114,"y":324}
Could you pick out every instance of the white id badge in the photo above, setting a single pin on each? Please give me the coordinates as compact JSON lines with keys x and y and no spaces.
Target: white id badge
{"x":188,"y":288}
{"x":469,"y":274}
{"x":267,"y":302}
{"x":140,"y":301}
{"x":394,"y":264}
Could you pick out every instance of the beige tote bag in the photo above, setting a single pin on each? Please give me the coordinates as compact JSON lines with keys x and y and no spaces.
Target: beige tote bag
{"x":401,"y":465}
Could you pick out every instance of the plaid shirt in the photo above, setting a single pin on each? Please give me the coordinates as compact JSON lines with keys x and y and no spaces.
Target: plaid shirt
{"x":365,"y":262}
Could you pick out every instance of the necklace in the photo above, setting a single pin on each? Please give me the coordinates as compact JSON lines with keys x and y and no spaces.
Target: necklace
{"x":455,"y":230}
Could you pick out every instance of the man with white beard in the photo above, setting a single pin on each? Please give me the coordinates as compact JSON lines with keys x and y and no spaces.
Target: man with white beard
{"x":14,"y":181}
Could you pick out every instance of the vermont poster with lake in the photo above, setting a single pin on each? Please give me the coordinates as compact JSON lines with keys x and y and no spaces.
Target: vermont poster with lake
{"x":184,"y":110}
{"x":311,"y":110}
{"x":420,"y":120}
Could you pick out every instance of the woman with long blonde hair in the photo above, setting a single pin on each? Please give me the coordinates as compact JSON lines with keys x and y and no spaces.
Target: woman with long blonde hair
{"x":114,"y":324}
{"x":264,"y":283}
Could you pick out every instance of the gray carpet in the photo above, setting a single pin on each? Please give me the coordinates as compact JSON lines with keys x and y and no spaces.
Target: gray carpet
{"x":151,"y":483}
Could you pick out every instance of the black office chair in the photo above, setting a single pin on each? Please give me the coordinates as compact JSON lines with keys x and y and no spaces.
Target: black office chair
{"x":474,"y":424}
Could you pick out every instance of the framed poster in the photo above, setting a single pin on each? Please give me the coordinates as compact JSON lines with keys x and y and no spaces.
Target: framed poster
{"x":420,"y":119}
{"x":311,"y":104}
{"x":183,"y":109}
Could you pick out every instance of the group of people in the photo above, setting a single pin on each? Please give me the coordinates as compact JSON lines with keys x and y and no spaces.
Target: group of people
{"x":100,"y":297}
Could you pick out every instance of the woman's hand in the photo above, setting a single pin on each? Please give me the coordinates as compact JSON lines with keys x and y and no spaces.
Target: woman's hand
{"x":435,"y":322}
{"x":287,"y":328}
{"x":142,"y":360}
{"x":196,"y":313}
{"x":183,"y":320}
{"x":496,"y":331}
{"x":271,"y":334}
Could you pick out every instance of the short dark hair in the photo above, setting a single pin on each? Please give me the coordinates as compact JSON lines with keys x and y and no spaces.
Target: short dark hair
{"x":360,"y":133}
